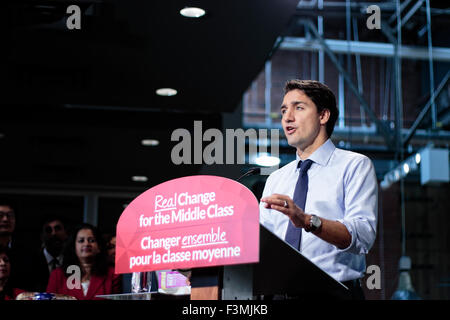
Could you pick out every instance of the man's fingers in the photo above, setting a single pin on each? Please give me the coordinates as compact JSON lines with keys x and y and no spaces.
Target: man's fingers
{"x":282,"y":209}
{"x":278,"y":201}
{"x":279,"y":197}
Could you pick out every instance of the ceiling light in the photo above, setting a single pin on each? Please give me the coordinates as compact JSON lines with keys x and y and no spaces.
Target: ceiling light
{"x":405,"y":289}
{"x":166,"y":92}
{"x":192,"y":12}
{"x":405,"y":168}
{"x":139,"y":178}
{"x":417,"y":158}
{"x":266,"y":160}
{"x":150,"y":142}
{"x":397,"y":175}
{"x":384,"y":184}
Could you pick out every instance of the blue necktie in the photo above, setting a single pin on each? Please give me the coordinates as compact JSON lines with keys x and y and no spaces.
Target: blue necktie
{"x":293,"y":234}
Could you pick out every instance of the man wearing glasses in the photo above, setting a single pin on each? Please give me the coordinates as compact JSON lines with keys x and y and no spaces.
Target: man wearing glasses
{"x":7,"y":223}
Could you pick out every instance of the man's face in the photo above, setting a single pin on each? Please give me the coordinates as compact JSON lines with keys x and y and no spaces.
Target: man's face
{"x":54,"y":235}
{"x":7,"y":220}
{"x":300,"y":120}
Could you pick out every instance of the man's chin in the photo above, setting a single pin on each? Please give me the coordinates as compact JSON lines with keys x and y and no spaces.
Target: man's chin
{"x":293,"y":142}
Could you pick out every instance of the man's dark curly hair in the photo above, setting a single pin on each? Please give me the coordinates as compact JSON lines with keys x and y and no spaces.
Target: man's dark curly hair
{"x":320,"y":94}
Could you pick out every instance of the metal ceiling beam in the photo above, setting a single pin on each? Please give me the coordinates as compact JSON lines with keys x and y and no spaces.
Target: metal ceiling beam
{"x":412,"y":12}
{"x":336,"y":4}
{"x":402,"y":7}
{"x":384,"y":131}
{"x":366,"y":48}
{"x":398,"y":92}
{"x":431,"y":68}
{"x":386,"y":7}
{"x":425,"y":110}
{"x":357,"y":132}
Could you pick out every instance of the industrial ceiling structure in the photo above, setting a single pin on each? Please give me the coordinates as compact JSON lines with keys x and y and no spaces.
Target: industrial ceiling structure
{"x":391,"y":82}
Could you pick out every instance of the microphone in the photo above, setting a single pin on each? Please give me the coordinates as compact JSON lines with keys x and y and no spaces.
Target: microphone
{"x":251,"y":172}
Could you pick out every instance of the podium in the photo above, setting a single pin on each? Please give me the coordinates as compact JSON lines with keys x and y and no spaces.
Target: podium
{"x":281,"y":271}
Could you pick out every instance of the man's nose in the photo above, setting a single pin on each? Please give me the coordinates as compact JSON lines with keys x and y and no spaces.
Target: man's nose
{"x":288,"y":115}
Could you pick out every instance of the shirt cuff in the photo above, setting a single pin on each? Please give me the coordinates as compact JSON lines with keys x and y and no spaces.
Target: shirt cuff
{"x":349,"y":227}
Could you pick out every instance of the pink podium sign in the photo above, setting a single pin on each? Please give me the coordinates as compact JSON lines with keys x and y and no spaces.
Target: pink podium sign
{"x":190,"y":222}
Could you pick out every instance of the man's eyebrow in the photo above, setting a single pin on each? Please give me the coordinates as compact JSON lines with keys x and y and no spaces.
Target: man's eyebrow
{"x":294,"y":103}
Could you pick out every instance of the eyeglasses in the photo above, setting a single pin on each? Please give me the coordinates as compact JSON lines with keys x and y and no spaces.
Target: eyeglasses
{"x":8,"y":214}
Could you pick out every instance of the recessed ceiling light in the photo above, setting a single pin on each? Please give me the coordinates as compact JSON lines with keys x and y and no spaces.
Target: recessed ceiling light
{"x":192,"y":12}
{"x":150,"y":142}
{"x":139,"y":178}
{"x":166,"y":92}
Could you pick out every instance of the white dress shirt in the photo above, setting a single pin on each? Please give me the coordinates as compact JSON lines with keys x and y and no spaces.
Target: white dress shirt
{"x":50,"y":258}
{"x":342,"y":187}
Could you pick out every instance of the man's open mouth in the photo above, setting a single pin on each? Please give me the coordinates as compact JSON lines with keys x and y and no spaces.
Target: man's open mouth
{"x":290,"y":130}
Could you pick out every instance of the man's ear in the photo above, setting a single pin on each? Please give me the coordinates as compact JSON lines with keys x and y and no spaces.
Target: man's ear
{"x":324,"y":116}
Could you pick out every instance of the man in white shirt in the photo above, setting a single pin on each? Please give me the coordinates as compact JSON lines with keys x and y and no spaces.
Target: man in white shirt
{"x":335,"y":224}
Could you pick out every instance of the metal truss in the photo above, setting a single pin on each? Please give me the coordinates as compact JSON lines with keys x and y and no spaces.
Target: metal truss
{"x":384,"y":131}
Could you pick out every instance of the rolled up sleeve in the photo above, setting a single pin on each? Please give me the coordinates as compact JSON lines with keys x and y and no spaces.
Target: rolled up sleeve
{"x":360,"y":218}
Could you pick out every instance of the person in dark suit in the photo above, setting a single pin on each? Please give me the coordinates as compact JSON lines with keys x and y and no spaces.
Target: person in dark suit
{"x":85,"y":272}
{"x":50,"y":256}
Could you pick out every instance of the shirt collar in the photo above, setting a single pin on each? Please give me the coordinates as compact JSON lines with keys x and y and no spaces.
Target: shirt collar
{"x":50,"y":258}
{"x":321,"y":155}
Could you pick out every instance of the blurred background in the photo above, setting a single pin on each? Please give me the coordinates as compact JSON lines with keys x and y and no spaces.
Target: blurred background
{"x":83,"y":130}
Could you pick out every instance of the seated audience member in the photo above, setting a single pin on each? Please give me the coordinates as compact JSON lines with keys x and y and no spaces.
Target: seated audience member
{"x":50,"y":256}
{"x":7,"y":223}
{"x":85,"y":272}
{"x":7,"y":291}
{"x":18,"y":252}
{"x":110,"y":241}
